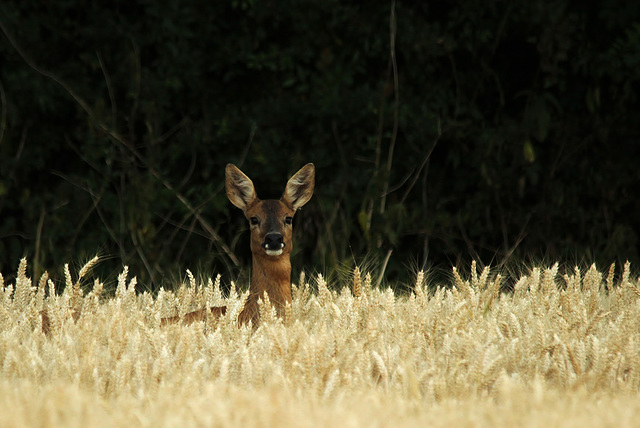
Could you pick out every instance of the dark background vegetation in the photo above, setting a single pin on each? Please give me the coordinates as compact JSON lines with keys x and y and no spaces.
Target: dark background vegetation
{"x":504,"y":131}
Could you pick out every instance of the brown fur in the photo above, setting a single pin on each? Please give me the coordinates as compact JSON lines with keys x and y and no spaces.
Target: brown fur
{"x":271,"y":273}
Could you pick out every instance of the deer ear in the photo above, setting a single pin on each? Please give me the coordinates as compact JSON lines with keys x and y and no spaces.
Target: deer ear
{"x":300,"y":187}
{"x":240,"y":190}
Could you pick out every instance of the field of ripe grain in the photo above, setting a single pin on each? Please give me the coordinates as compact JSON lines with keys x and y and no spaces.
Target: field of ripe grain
{"x":557,"y":350}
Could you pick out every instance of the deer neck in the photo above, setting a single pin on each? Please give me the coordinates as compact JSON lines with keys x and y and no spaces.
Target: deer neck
{"x":273,"y":276}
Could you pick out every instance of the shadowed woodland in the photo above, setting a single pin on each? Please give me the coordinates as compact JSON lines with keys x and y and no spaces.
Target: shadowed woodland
{"x":441,"y":132}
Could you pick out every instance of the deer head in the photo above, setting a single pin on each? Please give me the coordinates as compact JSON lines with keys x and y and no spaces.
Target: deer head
{"x":270,"y":222}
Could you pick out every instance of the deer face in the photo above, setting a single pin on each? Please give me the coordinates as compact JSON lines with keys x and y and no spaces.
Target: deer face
{"x":270,"y":222}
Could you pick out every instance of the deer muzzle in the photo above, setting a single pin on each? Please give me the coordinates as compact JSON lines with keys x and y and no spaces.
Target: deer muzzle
{"x":273,"y":244}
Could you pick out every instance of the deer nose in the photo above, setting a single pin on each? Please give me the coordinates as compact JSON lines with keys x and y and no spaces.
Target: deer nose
{"x":273,"y":241}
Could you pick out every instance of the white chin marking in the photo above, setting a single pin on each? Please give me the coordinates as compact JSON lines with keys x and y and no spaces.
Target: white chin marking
{"x":274,"y":252}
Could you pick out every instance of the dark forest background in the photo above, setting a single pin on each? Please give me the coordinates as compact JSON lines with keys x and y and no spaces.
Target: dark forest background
{"x":502,"y":131}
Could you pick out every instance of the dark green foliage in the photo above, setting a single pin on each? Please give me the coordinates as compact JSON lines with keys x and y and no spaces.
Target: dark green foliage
{"x":513,"y":133}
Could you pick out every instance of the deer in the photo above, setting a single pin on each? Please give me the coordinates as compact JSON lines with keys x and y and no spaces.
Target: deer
{"x":271,"y":227}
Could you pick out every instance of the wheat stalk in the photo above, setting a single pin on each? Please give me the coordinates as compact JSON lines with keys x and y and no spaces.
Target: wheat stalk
{"x":472,"y":343}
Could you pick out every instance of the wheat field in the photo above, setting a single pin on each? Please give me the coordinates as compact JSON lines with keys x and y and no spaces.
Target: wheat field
{"x":556,"y":350}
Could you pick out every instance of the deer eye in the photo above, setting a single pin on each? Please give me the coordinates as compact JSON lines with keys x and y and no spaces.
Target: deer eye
{"x":254,"y":221}
{"x":288,"y":220}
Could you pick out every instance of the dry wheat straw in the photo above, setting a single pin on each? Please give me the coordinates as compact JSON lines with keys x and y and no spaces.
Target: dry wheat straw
{"x":552,"y":336}
{"x":357,"y":282}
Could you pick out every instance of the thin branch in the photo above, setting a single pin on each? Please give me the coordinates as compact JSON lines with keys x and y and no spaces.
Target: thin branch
{"x":3,"y":119}
{"x":425,"y":251}
{"x":136,"y":93}
{"x":384,"y":267}
{"x":247,"y":146}
{"x":465,"y":237}
{"x":23,"y":142}
{"x":36,"y":265}
{"x":112,"y":98}
{"x":521,"y":236}
{"x":142,"y":256}
{"x":185,"y":241}
{"x":422,"y":165}
{"x":189,"y":173}
{"x":95,"y":197}
{"x":396,"y":103}
{"x":400,"y":184}
{"x":175,"y":128}
{"x":454,"y":73}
